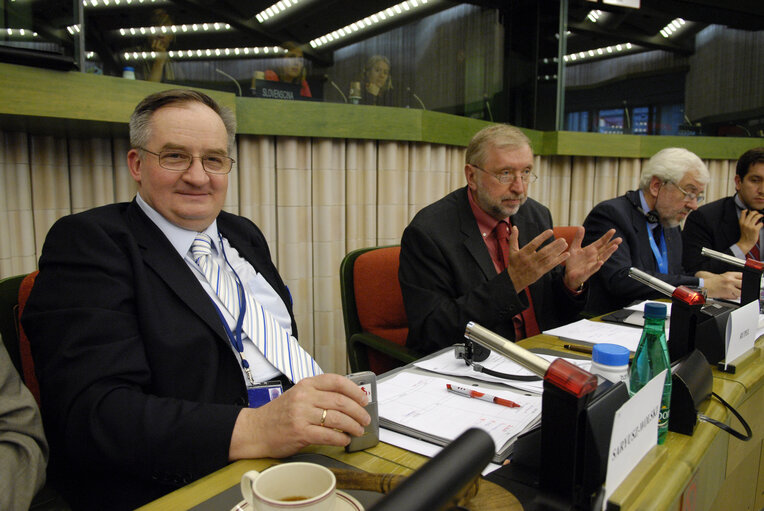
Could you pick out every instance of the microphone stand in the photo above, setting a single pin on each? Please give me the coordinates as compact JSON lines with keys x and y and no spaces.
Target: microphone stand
{"x":695,"y":323}
{"x":563,"y":463}
{"x":752,"y":271}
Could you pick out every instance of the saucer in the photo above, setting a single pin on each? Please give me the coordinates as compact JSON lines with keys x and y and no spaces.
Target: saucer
{"x":343,"y":502}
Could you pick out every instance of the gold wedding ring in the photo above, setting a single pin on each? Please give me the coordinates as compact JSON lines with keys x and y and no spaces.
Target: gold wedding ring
{"x":323,"y":417}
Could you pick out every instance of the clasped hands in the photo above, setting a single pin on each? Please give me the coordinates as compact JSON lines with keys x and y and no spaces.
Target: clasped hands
{"x":325,"y":410}
{"x":528,"y":264}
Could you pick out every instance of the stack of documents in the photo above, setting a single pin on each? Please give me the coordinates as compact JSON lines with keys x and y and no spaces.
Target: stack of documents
{"x":420,"y":406}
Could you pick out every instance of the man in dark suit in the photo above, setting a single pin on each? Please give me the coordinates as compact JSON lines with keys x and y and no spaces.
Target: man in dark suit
{"x":461,"y":259}
{"x":671,"y":186}
{"x":731,"y":225}
{"x":145,"y":375}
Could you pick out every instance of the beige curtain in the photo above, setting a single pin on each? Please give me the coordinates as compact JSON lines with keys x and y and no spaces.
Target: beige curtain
{"x":315,"y":200}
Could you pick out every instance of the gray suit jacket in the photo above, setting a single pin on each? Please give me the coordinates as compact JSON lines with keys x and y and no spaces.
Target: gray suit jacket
{"x":448,"y":278}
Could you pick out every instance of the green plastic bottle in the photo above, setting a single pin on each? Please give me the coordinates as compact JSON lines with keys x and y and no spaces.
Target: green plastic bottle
{"x":650,"y":359}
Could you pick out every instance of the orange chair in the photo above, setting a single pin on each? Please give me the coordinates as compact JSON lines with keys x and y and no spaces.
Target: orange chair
{"x":567,"y":232}
{"x":376,"y":326}
{"x":25,"y":350}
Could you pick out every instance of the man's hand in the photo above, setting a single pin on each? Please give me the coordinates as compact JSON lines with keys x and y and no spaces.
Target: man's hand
{"x":726,"y":285}
{"x":750,"y":225}
{"x":528,"y":264}
{"x":293,"y":420}
{"x":584,"y":262}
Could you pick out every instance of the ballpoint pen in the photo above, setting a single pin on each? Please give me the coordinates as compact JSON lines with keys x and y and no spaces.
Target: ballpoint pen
{"x":467,"y":392}
{"x":578,"y":348}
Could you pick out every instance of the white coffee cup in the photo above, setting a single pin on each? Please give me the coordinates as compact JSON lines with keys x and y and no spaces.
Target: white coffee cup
{"x":300,"y":486}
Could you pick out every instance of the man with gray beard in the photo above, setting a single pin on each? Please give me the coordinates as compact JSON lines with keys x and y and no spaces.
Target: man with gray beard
{"x":671,"y":186}
{"x":486,"y":253}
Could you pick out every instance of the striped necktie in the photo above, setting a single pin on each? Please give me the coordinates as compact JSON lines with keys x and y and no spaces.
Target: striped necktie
{"x":281,"y":349}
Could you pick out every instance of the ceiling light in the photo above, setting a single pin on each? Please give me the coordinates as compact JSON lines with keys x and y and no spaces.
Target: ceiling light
{"x":672,"y":27}
{"x":275,"y":9}
{"x":213,"y":27}
{"x":366,"y":22}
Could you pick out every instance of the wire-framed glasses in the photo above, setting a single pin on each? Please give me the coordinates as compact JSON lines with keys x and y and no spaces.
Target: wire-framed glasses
{"x":689,"y":196}
{"x":180,"y":161}
{"x":506,"y":177}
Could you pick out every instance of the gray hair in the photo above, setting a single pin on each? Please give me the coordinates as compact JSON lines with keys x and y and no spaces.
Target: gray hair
{"x":140,"y":120}
{"x":500,"y":136}
{"x":671,"y":164}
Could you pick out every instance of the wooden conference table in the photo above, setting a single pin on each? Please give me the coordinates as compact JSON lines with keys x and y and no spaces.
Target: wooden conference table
{"x":709,"y":470}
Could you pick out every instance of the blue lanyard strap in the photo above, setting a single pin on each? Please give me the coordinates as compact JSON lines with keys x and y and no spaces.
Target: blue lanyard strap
{"x":661,"y":256}
{"x":236,"y":336}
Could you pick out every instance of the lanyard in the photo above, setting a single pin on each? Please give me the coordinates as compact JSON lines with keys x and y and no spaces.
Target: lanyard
{"x":661,"y":256}
{"x":235,"y":336}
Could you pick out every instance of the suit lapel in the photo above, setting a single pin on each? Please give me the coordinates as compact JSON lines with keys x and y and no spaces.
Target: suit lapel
{"x":159,"y":255}
{"x":472,"y":238}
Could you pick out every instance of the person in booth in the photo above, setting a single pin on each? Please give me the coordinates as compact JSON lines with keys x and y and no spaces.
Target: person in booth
{"x":291,"y":69}
{"x":376,"y":82}
{"x":671,"y":186}
{"x":731,"y":225}
{"x":486,"y":253}
{"x":163,"y":337}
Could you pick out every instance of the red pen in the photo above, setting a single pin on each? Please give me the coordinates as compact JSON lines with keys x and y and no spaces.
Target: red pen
{"x":467,"y":392}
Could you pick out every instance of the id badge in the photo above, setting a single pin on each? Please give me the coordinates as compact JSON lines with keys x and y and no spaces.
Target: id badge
{"x":263,"y":393}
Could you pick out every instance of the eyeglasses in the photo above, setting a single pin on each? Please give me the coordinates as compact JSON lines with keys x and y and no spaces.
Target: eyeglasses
{"x":689,"y":196}
{"x":506,"y":177}
{"x":180,"y":161}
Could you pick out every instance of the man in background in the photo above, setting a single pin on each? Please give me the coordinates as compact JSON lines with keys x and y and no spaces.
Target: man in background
{"x":731,"y":225}
{"x":162,"y":332}
{"x":461,"y":257}
{"x":671,"y":186}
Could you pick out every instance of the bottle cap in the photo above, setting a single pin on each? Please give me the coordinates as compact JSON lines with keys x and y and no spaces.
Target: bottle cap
{"x":610,"y":354}
{"x":128,"y":68}
{"x":655,"y":310}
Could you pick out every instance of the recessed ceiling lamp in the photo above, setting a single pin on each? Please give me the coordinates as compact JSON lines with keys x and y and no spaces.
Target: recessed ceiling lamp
{"x":672,"y":27}
{"x":367,"y":22}
{"x":598,"y":52}
{"x":275,"y":9}
{"x":262,"y":51}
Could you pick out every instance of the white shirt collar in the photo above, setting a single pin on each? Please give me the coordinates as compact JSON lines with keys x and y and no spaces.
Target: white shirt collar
{"x":180,"y":238}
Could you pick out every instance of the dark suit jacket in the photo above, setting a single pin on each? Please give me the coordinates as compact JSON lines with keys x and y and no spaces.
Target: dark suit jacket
{"x":713,"y":226}
{"x":140,"y":387}
{"x":448,"y":278}
{"x":611,"y":286}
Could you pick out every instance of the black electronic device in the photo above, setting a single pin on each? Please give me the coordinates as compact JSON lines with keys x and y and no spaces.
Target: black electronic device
{"x":562,"y":463}
{"x":472,"y":353}
{"x":695,"y":322}
{"x":651,"y":216}
{"x":752,"y":272}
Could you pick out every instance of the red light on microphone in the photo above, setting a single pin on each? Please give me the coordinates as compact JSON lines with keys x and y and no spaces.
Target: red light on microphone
{"x":688,"y":296}
{"x":754,"y":264}
{"x":570,"y":378}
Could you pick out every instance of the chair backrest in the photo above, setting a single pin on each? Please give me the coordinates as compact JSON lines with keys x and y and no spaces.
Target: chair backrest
{"x":14,"y":292}
{"x":25,"y":350}
{"x":372,"y":300}
{"x":568,"y":232}
{"x":9,"y":301}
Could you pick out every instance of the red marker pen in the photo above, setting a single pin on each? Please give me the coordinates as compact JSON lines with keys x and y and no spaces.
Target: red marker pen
{"x":467,"y":392}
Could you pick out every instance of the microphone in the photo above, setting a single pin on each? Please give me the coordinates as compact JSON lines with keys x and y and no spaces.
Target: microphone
{"x":408,"y":89}
{"x":326,"y":77}
{"x":443,"y":476}
{"x":488,"y":107}
{"x":231,"y":77}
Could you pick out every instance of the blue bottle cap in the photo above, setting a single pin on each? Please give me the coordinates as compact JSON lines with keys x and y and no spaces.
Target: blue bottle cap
{"x":655,"y":310}
{"x":610,"y":354}
{"x":128,"y":68}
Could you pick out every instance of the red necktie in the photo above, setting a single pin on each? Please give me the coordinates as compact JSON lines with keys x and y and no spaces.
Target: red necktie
{"x":754,"y":253}
{"x":525,"y":323}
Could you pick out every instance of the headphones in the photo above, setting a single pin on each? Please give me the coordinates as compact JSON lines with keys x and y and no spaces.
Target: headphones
{"x":651,"y":216}
{"x":472,"y":352}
